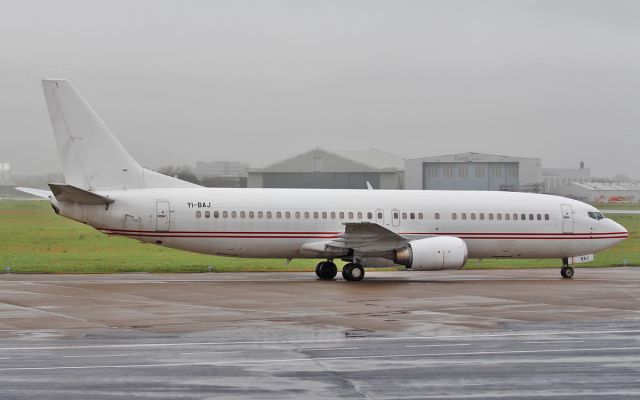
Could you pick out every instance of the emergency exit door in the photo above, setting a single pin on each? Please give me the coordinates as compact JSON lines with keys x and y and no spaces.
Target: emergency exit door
{"x":163,"y":216}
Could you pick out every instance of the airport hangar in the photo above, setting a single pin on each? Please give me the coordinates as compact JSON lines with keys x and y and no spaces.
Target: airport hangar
{"x":321,"y":168}
{"x":324,"y":169}
{"x":474,"y":171}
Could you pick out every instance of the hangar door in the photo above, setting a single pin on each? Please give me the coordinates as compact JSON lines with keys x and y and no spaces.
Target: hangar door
{"x":321,"y":180}
{"x":470,"y":175}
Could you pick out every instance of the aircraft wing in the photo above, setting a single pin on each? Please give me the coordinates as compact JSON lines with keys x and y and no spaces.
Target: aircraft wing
{"x":45,"y":194}
{"x":368,"y":237}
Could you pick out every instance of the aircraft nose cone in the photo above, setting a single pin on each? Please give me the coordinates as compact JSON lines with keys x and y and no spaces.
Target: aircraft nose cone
{"x":616,"y":227}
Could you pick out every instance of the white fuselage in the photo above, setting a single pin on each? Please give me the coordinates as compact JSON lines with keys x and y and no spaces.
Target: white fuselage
{"x":276,"y":223}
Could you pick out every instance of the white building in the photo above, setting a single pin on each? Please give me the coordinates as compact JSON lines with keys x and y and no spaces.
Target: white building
{"x":555,"y":178}
{"x":5,"y":174}
{"x":595,"y":192}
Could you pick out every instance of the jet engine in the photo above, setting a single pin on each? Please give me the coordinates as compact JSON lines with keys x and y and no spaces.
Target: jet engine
{"x":433,"y":254}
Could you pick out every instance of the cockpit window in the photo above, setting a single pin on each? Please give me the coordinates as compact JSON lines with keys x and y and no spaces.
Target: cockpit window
{"x":596,"y":215}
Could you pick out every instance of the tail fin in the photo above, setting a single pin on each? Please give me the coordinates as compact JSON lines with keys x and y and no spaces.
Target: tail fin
{"x":92,"y":158}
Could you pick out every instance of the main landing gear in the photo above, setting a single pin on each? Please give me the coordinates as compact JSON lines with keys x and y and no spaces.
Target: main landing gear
{"x":327,"y":270}
{"x":566,"y":271}
{"x":352,"y":272}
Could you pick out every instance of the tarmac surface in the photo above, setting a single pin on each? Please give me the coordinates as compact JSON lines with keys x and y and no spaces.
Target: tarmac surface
{"x":456,"y":334}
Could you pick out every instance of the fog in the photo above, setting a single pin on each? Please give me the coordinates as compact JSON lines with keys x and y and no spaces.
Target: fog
{"x":259,"y":81}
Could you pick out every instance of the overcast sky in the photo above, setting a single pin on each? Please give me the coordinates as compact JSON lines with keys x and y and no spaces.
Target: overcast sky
{"x":259,"y":81}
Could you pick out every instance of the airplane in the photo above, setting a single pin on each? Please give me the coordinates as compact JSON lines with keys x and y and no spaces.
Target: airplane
{"x":423,"y":230}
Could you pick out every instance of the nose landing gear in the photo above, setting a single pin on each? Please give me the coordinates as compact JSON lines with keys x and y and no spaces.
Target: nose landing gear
{"x":566,"y":271}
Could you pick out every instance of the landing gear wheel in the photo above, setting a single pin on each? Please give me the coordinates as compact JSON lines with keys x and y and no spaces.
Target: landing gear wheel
{"x":567,"y":272}
{"x":353,"y":272}
{"x":326,"y":270}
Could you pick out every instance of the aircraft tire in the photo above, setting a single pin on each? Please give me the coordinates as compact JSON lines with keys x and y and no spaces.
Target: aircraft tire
{"x":326,"y":270}
{"x":567,"y":272}
{"x":353,"y":272}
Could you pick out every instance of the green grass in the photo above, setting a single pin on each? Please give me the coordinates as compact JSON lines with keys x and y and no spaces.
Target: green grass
{"x":35,"y":240}
{"x":617,"y":206}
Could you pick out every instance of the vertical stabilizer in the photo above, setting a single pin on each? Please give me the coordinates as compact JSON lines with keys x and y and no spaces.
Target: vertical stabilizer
{"x":92,"y":158}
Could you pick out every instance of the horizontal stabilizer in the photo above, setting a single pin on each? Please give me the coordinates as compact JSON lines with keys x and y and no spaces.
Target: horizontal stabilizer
{"x":45,"y":194}
{"x":72,"y":194}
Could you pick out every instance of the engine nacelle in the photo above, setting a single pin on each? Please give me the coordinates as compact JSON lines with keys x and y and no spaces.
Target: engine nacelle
{"x":433,"y":254}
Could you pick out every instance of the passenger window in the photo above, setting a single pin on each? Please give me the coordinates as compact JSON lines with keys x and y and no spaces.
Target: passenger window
{"x":437,"y":215}
{"x":515,"y":217}
{"x":324,"y":215}
{"x":412,"y":215}
{"x":278,"y":214}
{"x":269,"y":214}
{"x":216,"y":214}
{"x":396,"y":215}
{"x":306,"y":215}
{"x":546,"y":217}
{"x":420,"y":216}
{"x":333,"y":215}
{"x":315,"y":215}
{"x":379,"y":215}
{"x":499,"y":216}
{"x":243,"y":214}
{"x":507,"y":216}
{"x":539,"y":217}
{"x":252,"y":214}
{"x":341,"y":215}
{"x":297,"y":214}
{"x":464,"y":215}
{"x":404,"y":215}
{"x":481,"y":215}
{"x":491,"y":216}
{"x":287,"y":214}
{"x":369,"y":215}
{"x":198,"y":214}
{"x":359,"y":215}
{"x":531,"y":217}
{"x":350,"y":214}
{"x":225,"y":214}
{"x":260,"y":214}
{"x":523,"y":216}
{"x":207,"y":214}
{"x":454,"y":216}
{"x":234,"y":214}
{"x":473,"y":215}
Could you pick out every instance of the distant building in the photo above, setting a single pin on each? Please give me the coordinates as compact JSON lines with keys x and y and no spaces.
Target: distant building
{"x":6,"y":182}
{"x":5,"y":174}
{"x":222,"y":173}
{"x":320,"y":168}
{"x":595,"y":192}
{"x":555,"y":178}
{"x":474,"y":171}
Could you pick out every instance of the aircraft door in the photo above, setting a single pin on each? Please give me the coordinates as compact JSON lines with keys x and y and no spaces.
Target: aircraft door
{"x":567,"y":218}
{"x":395,"y":217}
{"x":380,"y":216}
{"x":163,"y":216}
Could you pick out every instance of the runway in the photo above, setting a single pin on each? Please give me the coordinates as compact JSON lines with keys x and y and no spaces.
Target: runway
{"x":468,"y":334}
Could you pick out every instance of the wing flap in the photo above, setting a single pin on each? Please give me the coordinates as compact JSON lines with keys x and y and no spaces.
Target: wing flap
{"x":368,"y":237}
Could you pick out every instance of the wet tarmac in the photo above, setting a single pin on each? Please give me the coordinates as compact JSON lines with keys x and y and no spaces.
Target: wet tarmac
{"x":462,"y":334}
